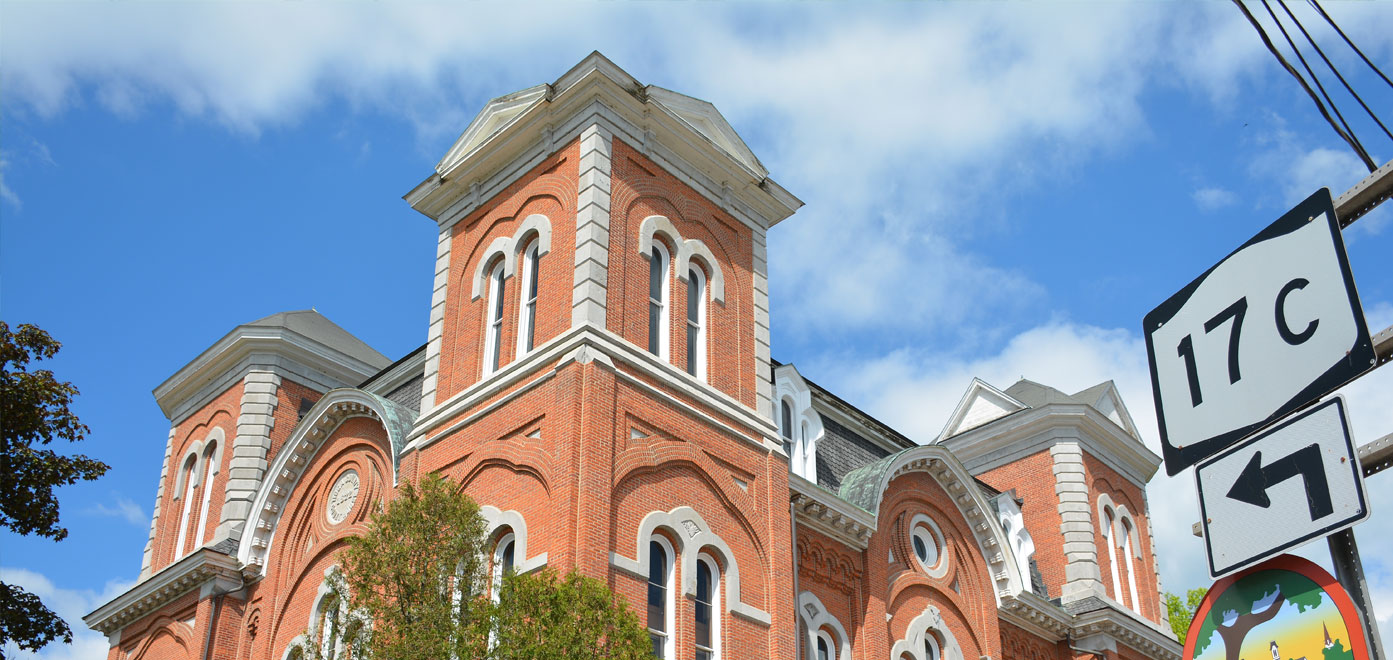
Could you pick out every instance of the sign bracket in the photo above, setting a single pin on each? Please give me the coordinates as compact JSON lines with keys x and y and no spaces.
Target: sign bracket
{"x":1349,"y":572}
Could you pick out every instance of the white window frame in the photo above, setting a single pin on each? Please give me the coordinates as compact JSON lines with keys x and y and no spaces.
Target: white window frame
{"x":1110,"y":519}
{"x":664,"y":338}
{"x":330,"y":645}
{"x":1127,"y":533}
{"x":493,"y":327}
{"x":715,"y":587}
{"x":927,"y":530}
{"x":786,"y":429}
{"x":698,"y":276}
{"x":210,"y":468}
{"x":190,"y":472}
{"x":527,"y":299}
{"x":823,"y":638}
{"x":669,"y":602}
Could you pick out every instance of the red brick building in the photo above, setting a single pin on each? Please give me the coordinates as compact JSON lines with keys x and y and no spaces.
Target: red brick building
{"x":597,"y":375}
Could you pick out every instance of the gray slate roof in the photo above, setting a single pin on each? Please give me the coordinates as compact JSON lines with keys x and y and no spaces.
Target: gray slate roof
{"x":1034,"y":394}
{"x":314,"y":325}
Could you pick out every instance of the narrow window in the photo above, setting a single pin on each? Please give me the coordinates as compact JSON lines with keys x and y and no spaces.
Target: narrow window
{"x":786,"y":428}
{"x":190,"y":484}
{"x":329,"y":628}
{"x":696,"y":325}
{"x":1127,"y":535}
{"x":493,"y":339}
{"x":705,"y":624}
{"x":659,"y":577}
{"x":930,"y":647}
{"x":209,"y":467}
{"x":824,"y":647}
{"x":502,"y":563}
{"x":1112,"y":557}
{"x":657,"y":301}
{"x":527,"y":317}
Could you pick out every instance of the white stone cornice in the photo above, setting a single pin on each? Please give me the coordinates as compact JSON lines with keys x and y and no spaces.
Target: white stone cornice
{"x":830,"y":515}
{"x":1034,"y":430}
{"x":304,"y":358}
{"x":1028,"y":611}
{"x":1145,"y":636}
{"x":173,"y":581}
{"x":542,"y":358}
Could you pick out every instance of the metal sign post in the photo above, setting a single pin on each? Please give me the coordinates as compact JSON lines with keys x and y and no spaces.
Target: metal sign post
{"x":1349,"y":571}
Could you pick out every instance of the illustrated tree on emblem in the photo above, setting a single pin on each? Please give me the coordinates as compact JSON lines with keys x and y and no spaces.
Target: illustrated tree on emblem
{"x":1252,"y":601}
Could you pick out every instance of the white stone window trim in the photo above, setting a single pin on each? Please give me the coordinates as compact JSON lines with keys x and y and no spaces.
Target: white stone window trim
{"x":508,"y":248}
{"x":187,"y":480}
{"x":664,"y":302}
{"x":669,"y":633}
{"x":322,"y":596}
{"x":923,"y":526}
{"x":493,"y":326}
{"x":929,"y":622}
{"x":818,"y":620}
{"x":698,"y":276}
{"x":689,"y":530}
{"x":687,"y":249}
{"x":210,"y":470}
{"x":716,"y":628}
{"x":188,"y":472}
{"x":496,"y":569}
{"x":1129,"y":533}
{"x":531,"y":271}
{"x":1121,"y":533}
{"x":495,"y":520}
{"x":807,"y":430}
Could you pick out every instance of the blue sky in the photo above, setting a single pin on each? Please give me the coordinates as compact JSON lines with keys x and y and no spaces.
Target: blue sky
{"x":993,"y":190}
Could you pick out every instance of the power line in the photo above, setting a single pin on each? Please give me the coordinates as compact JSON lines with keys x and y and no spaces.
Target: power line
{"x":1309,"y":92}
{"x":1362,"y":56}
{"x":1354,"y":139}
{"x":1334,"y":70}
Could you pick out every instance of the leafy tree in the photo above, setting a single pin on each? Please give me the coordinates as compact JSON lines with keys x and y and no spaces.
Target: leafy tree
{"x":1253,"y":600}
{"x":33,"y":412}
{"x":415,"y":588}
{"x":1181,"y":612}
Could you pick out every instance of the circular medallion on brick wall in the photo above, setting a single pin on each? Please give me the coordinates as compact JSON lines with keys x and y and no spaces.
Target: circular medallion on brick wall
{"x":342,"y":497}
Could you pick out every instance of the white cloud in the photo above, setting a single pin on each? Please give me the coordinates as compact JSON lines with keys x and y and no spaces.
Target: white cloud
{"x":71,"y":605}
{"x":124,"y":508}
{"x":6,"y":193}
{"x":1213,"y":199}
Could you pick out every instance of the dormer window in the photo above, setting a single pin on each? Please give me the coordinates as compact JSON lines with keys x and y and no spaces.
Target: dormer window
{"x":786,"y":428}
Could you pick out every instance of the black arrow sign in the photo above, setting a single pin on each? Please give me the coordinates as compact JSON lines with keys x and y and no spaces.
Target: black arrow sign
{"x":1255,"y":479}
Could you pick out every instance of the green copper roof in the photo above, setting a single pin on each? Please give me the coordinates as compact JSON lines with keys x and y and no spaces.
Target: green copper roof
{"x":398,"y":420}
{"x":861,"y":487}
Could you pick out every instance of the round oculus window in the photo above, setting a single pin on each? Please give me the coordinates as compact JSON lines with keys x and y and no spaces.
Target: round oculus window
{"x":927,"y":545}
{"x":342,"y":497}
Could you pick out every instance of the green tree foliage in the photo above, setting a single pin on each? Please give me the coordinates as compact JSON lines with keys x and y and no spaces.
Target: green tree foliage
{"x":1232,"y":614}
{"x":34,"y":412}
{"x":1181,"y":612}
{"x":415,"y":588}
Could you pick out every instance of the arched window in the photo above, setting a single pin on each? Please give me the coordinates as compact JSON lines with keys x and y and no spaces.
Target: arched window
{"x":826,"y":650}
{"x":210,"y":467}
{"x":493,"y":329}
{"x":502,"y":562}
{"x":660,"y":569}
{"x":706,"y":624}
{"x":329,"y":627}
{"x":931,"y":651}
{"x":696,"y":323}
{"x":1108,"y":540}
{"x":1127,"y":534}
{"x":786,"y":428}
{"x":657,"y":301}
{"x":190,"y":474}
{"x":527,"y":315}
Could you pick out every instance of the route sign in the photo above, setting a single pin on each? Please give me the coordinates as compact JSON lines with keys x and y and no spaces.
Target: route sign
{"x":1270,"y":328}
{"x":1297,"y":481}
{"x":1286,"y":607}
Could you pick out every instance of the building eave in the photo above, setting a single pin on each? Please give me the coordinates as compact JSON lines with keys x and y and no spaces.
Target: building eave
{"x":154,"y":592}
{"x":830,"y":515}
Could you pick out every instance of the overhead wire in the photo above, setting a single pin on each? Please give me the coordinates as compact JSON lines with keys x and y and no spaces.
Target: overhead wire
{"x":1334,"y":70}
{"x":1355,"y":48}
{"x":1354,"y":139}
{"x":1272,"y":48}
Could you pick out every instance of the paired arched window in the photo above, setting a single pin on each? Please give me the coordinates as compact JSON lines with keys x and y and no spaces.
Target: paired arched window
{"x":1109,"y":524}
{"x":1127,"y":534}
{"x":527,"y":315}
{"x":706,"y":625}
{"x":190,"y":476}
{"x":696,"y":323}
{"x":210,"y":467}
{"x":493,"y":328}
{"x":657,"y":301}
{"x":660,"y":574}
